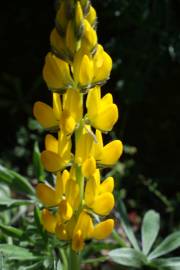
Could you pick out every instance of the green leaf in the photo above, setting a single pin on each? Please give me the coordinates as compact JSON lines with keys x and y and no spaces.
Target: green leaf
{"x":59,"y":265}
{"x":12,"y":252}
{"x":15,"y":180}
{"x":7,"y":202}
{"x":169,"y":244}
{"x":168,"y":264}
{"x":32,"y":266}
{"x":126,"y":225}
{"x":150,"y":230}
{"x":11,"y":231}
{"x":38,"y":168}
{"x":128,"y":257}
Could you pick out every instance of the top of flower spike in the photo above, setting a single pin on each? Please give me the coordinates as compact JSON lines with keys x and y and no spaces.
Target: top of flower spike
{"x":85,"y":72}
{"x":77,"y":60}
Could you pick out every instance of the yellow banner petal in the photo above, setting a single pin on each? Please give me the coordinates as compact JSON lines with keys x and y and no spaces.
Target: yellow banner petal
{"x":103,"y":229}
{"x":44,"y":115}
{"x":103,"y":204}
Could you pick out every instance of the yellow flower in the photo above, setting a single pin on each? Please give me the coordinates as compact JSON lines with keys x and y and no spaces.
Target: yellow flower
{"x":66,"y":115}
{"x":71,"y":42}
{"x":102,"y":65}
{"x":49,"y":220}
{"x":85,"y":229}
{"x":72,"y":111}
{"x":103,"y":229}
{"x":82,"y":231}
{"x":89,"y":38}
{"x":101,"y":112}
{"x":58,"y":45}
{"x":52,"y":196}
{"x":91,"y":16}
{"x":84,"y":153}
{"x":109,"y":154}
{"x":58,"y":152}
{"x":83,"y":70}
{"x":61,"y":18}
{"x":65,"y":196}
{"x":78,"y":17}
{"x":98,"y":196}
{"x":56,"y":73}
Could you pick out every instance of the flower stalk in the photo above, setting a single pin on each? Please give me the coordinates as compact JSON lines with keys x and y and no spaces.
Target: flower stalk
{"x":74,"y":260}
{"x":74,"y":71}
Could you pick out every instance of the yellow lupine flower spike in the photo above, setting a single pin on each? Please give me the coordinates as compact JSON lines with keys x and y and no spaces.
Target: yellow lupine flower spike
{"x":77,"y":65}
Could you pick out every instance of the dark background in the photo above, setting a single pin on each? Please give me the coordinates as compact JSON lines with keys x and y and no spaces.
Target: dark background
{"x":143,"y":38}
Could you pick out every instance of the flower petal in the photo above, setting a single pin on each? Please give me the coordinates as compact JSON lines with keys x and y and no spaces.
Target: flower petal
{"x":44,"y":115}
{"x":78,"y":241}
{"x":106,"y":118}
{"x":103,"y":229}
{"x":111,"y":153}
{"x":65,"y":210}
{"x":103,"y":204}
{"x":49,"y":221}
{"x":51,"y":161}
{"x":91,"y":191}
{"x":47,"y":195}
{"x":107,"y":185}
{"x":51,"y":143}
{"x":56,"y":73}
{"x":57,"y":107}
{"x":89,"y":167}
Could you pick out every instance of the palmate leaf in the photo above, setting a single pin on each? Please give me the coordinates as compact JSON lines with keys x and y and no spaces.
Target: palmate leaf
{"x":169,"y":244}
{"x":150,"y":230}
{"x":128,"y":257}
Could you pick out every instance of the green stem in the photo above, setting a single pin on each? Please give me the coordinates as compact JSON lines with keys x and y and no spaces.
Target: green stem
{"x":118,"y":239}
{"x":64,"y":259}
{"x":96,"y":260}
{"x":74,"y":262}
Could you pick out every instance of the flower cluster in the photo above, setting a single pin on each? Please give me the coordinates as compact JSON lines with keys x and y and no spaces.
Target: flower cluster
{"x":74,"y":208}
